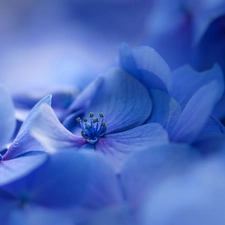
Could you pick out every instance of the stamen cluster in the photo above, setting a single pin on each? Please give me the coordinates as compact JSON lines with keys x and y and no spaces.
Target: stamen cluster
{"x":94,"y":129}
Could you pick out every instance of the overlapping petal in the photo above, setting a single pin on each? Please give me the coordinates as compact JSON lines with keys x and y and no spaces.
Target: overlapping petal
{"x":193,"y":81}
{"x":146,"y":65}
{"x":48,"y":130}
{"x":196,"y":113}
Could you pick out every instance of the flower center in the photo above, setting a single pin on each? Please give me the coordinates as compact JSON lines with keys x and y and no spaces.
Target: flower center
{"x":94,"y":129}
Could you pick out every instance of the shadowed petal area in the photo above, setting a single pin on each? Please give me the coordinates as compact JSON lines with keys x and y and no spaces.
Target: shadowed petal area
{"x":193,"y":81}
{"x":124,"y":101}
{"x":7,"y":115}
{"x":196,"y":113}
{"x":146,"y":169}
{"x":146,"y":65}
{"x":16,"y":168}
{"x":24,"y":142}
{"x":116,"y":147}
{"x":165,"y":110}
{"x":47,"y":129}
{"x":68,"y":179}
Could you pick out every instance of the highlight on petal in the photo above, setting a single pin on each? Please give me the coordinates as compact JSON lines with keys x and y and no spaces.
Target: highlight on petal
{"x":24,"y":142}
{"x":196,"y":113}
{"x":116,"y":147}
{"x":144,"y":170}
{"x":146,"y":65}
{"x":124,"y":101}
{"x":48,"y":130}
{"x":7,"y":115}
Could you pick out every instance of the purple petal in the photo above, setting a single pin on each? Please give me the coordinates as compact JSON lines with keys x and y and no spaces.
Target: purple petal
{"x":47,"y":129}
{"x":16,"y":168}
{"x":165,"y":110}
{"x":7,"y":115}
{"x":196,"y":113}
{"x":24,"y":142}
{"x":187,"y":81}
{"x":146,"y":65}
{"x":146,"y":169}
{"x":124,"y":101}
{"x":116,"y":147}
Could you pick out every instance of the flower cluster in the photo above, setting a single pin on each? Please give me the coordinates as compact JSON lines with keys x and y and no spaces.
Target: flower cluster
{"x":139,"y":144}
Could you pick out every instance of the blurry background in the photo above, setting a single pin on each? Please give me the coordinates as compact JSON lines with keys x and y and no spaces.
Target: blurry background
{"x":46,"y":43}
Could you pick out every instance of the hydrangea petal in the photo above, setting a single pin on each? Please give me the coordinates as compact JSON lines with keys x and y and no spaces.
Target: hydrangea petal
{"x":196,"y":113}
{"x":146,"y":169}
{"x":116,"y":147}
{"x":7,"y":115}
{"x":24,"y":142}
{"x":146,"y":65}
{"x":81,"y":178}
{"x":124,"y":101}
{"x":47,"y":129}
{"x":165,"y":110}
{"x":16,"y":168}
{"x":193,"y":82}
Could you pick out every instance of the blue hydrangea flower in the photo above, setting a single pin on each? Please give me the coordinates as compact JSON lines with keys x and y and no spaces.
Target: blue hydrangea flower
{"x":14,"y":161}
{"x":124,"y":105}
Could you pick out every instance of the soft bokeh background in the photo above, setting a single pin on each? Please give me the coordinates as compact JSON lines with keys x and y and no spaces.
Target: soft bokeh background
{"x":54,"y":42}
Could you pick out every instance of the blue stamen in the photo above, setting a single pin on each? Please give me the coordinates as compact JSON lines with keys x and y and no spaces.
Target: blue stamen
{"x":93,"y":130}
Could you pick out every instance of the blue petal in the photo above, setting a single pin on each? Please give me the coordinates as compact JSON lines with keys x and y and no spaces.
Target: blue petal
{"x":196,"y":113}
{"x":68,"y":179}
{"x":16,"y":168}
{"x":116,"y":147}
{"x":124,"y":101}
{"x":47,"y":129}
{"x":24,"y":142}
{"x":165,"y":110}
{"x":146,"y":169}
{"x":146,"y":65}
{"x":187,"y":81}
{"x":7,"y":117}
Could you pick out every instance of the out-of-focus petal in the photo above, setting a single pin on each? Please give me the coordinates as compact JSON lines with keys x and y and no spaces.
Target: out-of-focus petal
{"x":116,"y":147}
{"x":68,"y":179}
{"x":7,"y":117}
